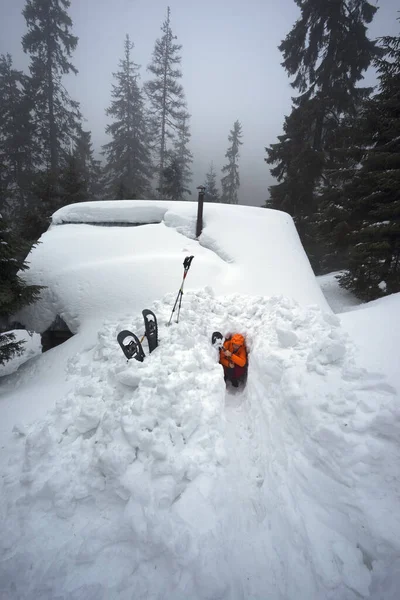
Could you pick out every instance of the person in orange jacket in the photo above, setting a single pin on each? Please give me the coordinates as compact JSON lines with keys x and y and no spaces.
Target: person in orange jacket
{"x":233,"y":357}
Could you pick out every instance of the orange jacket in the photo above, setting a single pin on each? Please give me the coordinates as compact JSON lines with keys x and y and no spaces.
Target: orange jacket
{"x":239,"y":357}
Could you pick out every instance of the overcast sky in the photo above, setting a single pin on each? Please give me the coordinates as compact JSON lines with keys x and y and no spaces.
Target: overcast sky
{"x":230,"y":62}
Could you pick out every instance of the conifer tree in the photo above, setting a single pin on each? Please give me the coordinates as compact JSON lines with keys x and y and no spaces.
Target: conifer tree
{"x":73,"y":184}
{"x":297,"y":166}
{"x":230,"y":182}
{"x":166,"y":96}
{"x":46,"y":199}
{"x":50,"y":43}
{"x":16,"y":130}
{"x":15,"y":293}
{"x":174,"y":187}
{"x":183,"y":154}
{"x":211,"y":193}
{"x":123,"y":193}
{"x":90,"y":167}
{"x":128,"y":154}
{"x":342,"y":161}
{"x":80,"y":175}
{"x":374,"y":194}
{"x":327,"y":52}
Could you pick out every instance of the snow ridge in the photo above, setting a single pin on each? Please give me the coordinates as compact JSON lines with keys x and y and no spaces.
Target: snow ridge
{"x":150,"y":478}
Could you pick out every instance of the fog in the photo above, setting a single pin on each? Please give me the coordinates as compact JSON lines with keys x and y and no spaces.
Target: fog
{"x":230,"y":61}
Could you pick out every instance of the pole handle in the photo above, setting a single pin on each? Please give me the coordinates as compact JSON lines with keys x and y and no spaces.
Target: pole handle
{"x":187,"y":262}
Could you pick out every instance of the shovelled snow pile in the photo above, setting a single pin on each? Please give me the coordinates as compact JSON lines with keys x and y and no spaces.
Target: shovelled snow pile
{"x":149,"y":481}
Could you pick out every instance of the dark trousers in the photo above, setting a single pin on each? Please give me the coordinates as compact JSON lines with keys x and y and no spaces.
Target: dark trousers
{"x":235,"y":375}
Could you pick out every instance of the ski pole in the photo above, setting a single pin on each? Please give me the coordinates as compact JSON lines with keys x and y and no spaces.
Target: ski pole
{"x":186,"y":266}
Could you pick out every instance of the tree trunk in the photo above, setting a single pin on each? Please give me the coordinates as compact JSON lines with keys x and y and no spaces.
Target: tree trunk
{"x":164,"y":114}
{"x":52,"y":123}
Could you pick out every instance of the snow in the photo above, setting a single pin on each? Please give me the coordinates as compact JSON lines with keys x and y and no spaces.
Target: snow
{"x":37,"y":385}
{"x":382,"y":286}
{"x":151,"y":480}
{"x":112,"y":211}
{"x":375,"y":328}
{"x":91,"y":271}
{"x":339,"y":299}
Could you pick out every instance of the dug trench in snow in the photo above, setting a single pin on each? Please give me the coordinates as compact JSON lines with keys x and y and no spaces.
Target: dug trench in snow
{"x":149,"y":477}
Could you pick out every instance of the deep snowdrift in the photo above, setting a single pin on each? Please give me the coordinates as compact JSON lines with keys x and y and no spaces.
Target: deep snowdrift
{"x":147,"y":480}
{"x":375,"y":328}
{"x":339,"y":299}
{"x":150,"y":480}
{"x":92,"y":271}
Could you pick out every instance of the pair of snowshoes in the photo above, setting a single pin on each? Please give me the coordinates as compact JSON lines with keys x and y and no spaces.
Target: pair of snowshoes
{"x":130,"y":344}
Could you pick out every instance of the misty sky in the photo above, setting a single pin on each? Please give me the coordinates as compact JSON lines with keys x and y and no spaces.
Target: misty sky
{"x":230,"y":62}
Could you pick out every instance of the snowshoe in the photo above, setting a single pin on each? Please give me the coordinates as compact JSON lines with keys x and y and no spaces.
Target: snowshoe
{"x":130,"y":345}
{"x":217,"y":339}
{"x":150,"y":323}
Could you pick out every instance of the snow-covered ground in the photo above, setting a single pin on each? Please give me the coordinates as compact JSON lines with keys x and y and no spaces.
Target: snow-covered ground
{"x":151,"y":480}
{"x":375,"y":329}
{"x":339,"y":299}
{"x":373,"y":326}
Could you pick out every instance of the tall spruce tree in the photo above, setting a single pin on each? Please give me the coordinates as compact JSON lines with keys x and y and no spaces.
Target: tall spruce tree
{"x":80,"y":175}
{"x":90,"y":167}
{"x":50,"y":43}
{"x":73,"y":185}
{"x":297,"y":166}
{"x":183,"y":154}
{"x":15,"y":293}
{"x":346,"y":147}
{"x":16,"y":131}
{"x":128,"y":154}
{"x":230,"y":182}
{"x":123,"y":193}
{"x":47,"y":197}
{"x":167,"y":100}
{"x":174,"y":187}
{"x":211,"y":193}
{"x":327,"y":52}
{"x":374,"y":194}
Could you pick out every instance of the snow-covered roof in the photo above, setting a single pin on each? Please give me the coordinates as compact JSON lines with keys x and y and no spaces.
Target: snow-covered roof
{"x":92,"y":271}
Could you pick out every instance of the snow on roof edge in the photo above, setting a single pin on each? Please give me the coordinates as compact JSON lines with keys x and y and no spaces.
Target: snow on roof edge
{"x":111,"y":211}
{"x":140,"y":211}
